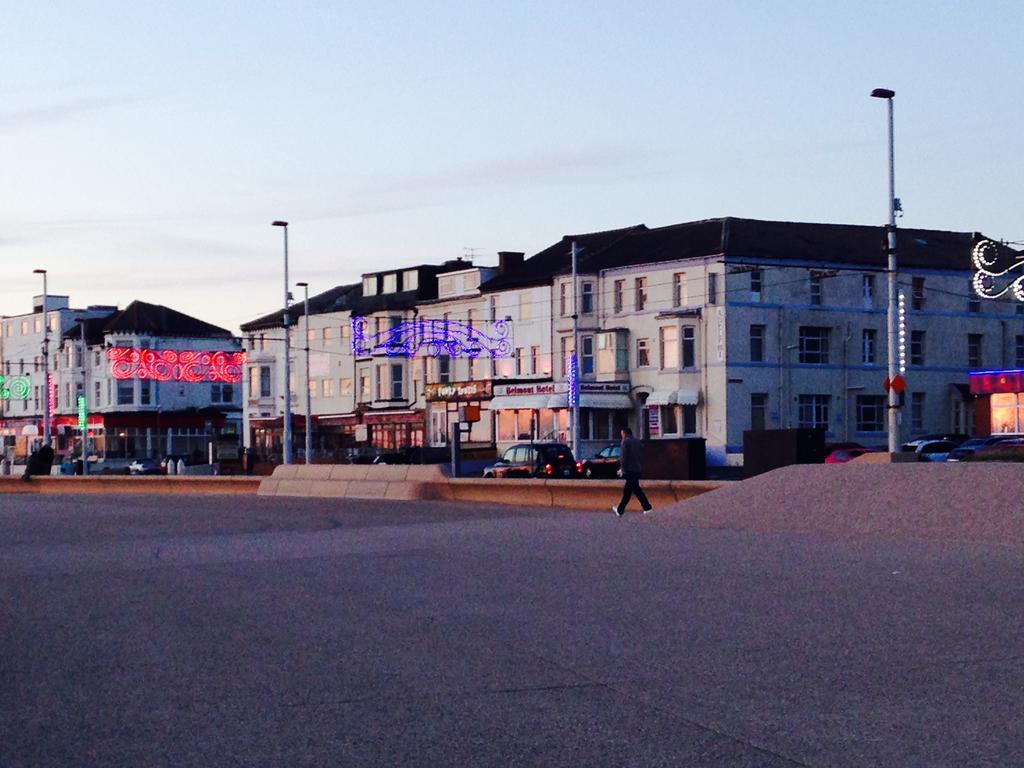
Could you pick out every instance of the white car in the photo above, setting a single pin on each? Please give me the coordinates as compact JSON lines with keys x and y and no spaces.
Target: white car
{"x":934,"y":450}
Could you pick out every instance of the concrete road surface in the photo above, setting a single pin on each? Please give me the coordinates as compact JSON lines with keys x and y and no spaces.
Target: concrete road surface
{"x":209,"y":632}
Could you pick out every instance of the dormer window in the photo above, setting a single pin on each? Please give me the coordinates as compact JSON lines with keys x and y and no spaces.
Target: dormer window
{"x":410,"y":280}
{"x":370,"y":285}
{"x":390,"y":283}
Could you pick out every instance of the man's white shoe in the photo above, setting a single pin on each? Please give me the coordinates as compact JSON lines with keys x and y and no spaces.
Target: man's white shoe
{"x":615,"y":509}
{"x":648,"y":510}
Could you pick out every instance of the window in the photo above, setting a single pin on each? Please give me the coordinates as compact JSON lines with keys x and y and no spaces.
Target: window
{"x":689,"y":346}
{"x":534,"y":360}
{"x":314,"y":387}
{"x":689,"y":419}
{"x":868,"y":346}
{"x":346,"y":386}
{"x":868,"y":291}
{"x":1019,"y":350}
{"x":327,"y":387}
{"x":410,"y":280}
{"x":619,"y":286}
{"x":364,"y":385}
{"x":643,"y":353}
{"x":587,"y":357}
{"x":917,"y":411}
{"x":639,"y":293}
{"x":612,"y":355}
{"x":311,"y":334}
{"x":397,"y":381}
{"x":327,"y":334}
{"x":587,"y":299}
{"x":814,"y":344}
{"x":390,"y":283}
{"x":492,"y":306}
{"x":678,"y":289}
{"x":917,"y":293}
{"x":382,"y":381}
{"x":520,"y":361}
{"x":871,"y":413}
{"x":669,"y":420}
{"x":669,"y":347}
{"x":146,"y":392}
{"x":812,"y":411}
{"x":757,"y":343}
{"x":756,"y":284}
{"x":758,"y":410}
{"x":815,"y":289}
{"x":95,"y":393}
{"x":370,"y":285}
{"x":917,"y":347}
{"x":712,"y":288}
{"x":563,"y":299}
{"x":471,"y":319}
{"x":526,"y":305}
{"x":974,"y":344}
{"x":264,"y":379}
{"x":125,"y":392}
{"x":973,"y":302}
{"x":444,"y":367}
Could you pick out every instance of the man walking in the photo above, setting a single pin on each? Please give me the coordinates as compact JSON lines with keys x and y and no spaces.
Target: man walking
{"x":631,"y":459}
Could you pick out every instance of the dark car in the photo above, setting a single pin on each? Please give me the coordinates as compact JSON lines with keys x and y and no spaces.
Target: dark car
{"x":969,"y":448}
{"x":604,"y":464}
{"x":535,"y":460}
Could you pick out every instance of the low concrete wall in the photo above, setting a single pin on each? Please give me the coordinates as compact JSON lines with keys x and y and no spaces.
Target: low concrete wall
{"x":372,"y":481}
{"x":233,"y":484}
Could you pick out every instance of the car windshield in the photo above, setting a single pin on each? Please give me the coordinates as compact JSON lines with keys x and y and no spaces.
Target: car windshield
{"x":556,"y":453}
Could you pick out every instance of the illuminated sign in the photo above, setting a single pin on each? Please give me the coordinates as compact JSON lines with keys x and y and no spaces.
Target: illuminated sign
{"x":192,"y":366}
{"x":52,"y":389}
{"x":438,"y":338}
{"x":15,"y":388}
{"x":82,"y":414}
{"x":987,"y":278}
{"x":572,"y":377}
{"x":990,"y":382}
{"x":463,"y":390}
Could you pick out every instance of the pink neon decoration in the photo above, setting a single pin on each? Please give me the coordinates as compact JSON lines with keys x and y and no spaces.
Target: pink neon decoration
{"x":193,"y":366}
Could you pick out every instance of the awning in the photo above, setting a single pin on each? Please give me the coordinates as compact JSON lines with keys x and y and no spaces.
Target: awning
{"x":393,"y":417}
{"x":687,"y":396}
{"x":521,"y":402}
{"x":661,"y":397}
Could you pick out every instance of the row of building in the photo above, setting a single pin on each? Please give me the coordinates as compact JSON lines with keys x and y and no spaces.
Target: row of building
{"x":703,"y":329}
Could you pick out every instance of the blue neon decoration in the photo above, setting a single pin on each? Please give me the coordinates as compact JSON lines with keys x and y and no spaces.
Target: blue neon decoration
{"x":572,"y":375}
{"x":438,"y":338}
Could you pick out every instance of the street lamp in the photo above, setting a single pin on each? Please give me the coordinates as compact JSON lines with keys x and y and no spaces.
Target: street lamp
{"x":309,"y":410}
{"x":286,"y":438}
{"x":894,"y":403}
{"x":46,"y":361}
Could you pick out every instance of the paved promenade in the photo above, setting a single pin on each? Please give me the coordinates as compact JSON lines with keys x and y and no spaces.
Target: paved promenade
{"x":218,"y":631}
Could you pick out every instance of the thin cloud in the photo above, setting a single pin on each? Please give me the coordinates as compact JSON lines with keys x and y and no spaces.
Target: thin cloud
{"x":12,"y":120}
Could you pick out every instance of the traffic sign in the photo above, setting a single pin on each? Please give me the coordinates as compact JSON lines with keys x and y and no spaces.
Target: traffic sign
{"x":898,"y":384}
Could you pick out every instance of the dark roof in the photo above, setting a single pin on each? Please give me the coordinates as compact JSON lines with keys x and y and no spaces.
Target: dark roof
{"x":557,"y":259}
{"x":847,"y":243}
{"x":93,"y":329}
{"x":338,"y":298}
{"x":158,"y":320}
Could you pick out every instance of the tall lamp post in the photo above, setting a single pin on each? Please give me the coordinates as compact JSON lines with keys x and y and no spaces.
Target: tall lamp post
{"x":309,"y":409}
{"x":46,"y":361}
{"x":894,"y":402}
{"x":286,"y":438}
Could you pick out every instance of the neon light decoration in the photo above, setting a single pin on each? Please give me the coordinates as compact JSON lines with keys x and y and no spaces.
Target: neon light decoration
{"x":439,"y":338}
{"x":985,"y":281}
{"x":903,"y":332}
{"x":192,"y":366}
{"x":15,"y":388}
{"x":572,"y":375}
{"x":991,"y":382}
{"x":51,"y":387}
{"x":83,"y":414}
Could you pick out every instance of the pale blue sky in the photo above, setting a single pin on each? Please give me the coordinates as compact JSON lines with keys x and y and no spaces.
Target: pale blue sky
{"x":145,"y":147}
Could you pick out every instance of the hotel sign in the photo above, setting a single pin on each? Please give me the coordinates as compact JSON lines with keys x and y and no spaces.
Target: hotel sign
{"x":540,"y":388}
{"x":460,"y":391}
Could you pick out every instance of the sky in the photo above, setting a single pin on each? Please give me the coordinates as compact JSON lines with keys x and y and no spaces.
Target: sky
{"x":145,"y":147}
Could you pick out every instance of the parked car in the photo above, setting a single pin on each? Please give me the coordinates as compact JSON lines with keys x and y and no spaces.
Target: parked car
{"x":968,"y":448}
{"x":843,"y":455}
{"x":953,"y":437}
{"x":535,"y":460}
{"x":604,"y":464}
{"x":934,"y":450}
{"x":145,"y":467}
{"x":1006,"y":445}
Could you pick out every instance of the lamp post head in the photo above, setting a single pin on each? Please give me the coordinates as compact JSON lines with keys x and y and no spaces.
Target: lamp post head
{"x":279,"y":223}
{"x":38,"y":271}
{"x":882,"y":93}
{"x":302,"y":285}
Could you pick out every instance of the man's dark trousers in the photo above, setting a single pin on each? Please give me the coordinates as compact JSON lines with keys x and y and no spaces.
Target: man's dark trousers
{"x":633,"y":487}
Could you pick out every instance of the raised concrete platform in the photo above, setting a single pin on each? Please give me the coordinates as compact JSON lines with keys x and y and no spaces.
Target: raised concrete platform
{"x":171,"y":484}
{"x":371,"y":481}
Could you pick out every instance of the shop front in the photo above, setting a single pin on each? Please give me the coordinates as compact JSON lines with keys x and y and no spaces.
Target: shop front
{"x":394,"y":431}
{"x":999,"y":403}
{"x":443,"y":403}
{"x":540,"y":412}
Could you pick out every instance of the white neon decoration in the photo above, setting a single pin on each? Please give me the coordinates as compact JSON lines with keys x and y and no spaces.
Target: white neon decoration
{"x":984,"y":256}
{"x":903,"y":332}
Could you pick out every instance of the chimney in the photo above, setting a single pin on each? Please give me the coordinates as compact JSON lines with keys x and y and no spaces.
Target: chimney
{"x":509,"y":261}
